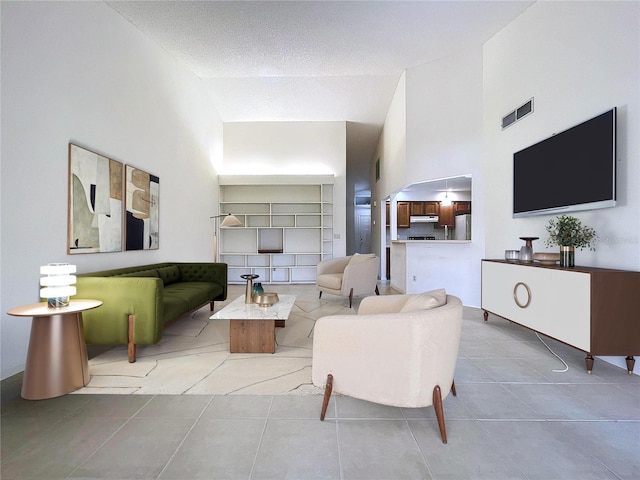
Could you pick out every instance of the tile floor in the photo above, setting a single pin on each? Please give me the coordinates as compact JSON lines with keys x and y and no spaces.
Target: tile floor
{"x":513,"y":418}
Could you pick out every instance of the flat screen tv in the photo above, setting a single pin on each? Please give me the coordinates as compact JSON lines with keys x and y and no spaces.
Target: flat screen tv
{"x":570,"y":171}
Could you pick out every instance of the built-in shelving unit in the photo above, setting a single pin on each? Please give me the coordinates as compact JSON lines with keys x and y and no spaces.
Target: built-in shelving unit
{"x":287,"y":226}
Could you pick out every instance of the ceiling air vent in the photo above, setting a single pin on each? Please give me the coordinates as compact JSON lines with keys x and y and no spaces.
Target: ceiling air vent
{"x":519,"y":113}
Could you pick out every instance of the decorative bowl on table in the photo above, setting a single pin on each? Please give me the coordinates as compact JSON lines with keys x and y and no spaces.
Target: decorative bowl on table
{"x":265,"y":299}
{"x":511,"y":255}
{"x":546,"y":258}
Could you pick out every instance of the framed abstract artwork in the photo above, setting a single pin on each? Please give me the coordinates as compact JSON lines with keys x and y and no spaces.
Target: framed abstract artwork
{"x":141,"y":209}
{"x":94,"y":214}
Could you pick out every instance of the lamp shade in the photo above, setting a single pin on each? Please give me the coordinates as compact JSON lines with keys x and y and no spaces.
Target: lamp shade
{"x":230,"y":221}
{"x":58,"y":283}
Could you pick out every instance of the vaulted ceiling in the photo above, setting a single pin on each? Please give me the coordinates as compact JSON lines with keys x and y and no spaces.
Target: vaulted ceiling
{"x":314,"y":60}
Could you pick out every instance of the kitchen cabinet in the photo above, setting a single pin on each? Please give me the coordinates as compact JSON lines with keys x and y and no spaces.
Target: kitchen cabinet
{"x":388,"y":266}
{"x":461,"y":208}
{"x":418,"y":209}
{"x":424,"y":208}
{"x":446,"y":216}
{"x":432,"y":208}
{"x":592,"y":309}
{"x":404,"y":212}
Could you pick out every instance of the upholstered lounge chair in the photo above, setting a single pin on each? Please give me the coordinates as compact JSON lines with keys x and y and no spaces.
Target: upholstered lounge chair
{"x":399,"y":350}
{"x":349,"y":276}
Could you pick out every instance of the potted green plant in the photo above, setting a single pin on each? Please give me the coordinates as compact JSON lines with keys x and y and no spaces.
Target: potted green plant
{"x":569,"y":233}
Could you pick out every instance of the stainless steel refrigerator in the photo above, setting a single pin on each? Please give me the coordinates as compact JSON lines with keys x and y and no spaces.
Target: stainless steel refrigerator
{"x":462,"y":229}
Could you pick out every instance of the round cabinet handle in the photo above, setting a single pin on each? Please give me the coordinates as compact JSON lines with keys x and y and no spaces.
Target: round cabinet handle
{"x":515,"y":295}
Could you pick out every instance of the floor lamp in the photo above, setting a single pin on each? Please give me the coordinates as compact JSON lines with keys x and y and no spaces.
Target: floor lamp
{"x":229,"y":221}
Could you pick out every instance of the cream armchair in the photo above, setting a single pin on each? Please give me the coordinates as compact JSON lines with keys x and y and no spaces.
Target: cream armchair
{"x":399,"y":350}
{"x":349,"y":276}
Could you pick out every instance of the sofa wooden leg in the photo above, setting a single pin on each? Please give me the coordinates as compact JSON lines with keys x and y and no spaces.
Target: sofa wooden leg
{"x":630,"y":363}
{"x":437,"y":404}
{"x":327,"y":395}
{"x":211,"y":305}
{"x":377,"y":291}
{"x":320,"y":296}
{"x":453,"y":388}
{"x":131,"y":347}
{"x":350,"y":297}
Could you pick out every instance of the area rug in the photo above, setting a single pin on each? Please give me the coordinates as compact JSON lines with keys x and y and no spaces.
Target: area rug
{"x":193,"y":356}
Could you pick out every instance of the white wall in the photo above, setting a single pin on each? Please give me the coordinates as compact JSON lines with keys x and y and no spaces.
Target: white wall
{"x":576,"y":59}
{"x":392,"y":146}
{"x":451,"y":266}
{"x":391,"y":152}
{"x":444,"y":117}
{"x":444,"y":139}
{"x":77,"y":71}
{"x":440,"y":131}
{"x":292,"y":148}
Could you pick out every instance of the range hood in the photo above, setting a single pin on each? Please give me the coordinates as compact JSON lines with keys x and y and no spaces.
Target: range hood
{"x":423,"y":219}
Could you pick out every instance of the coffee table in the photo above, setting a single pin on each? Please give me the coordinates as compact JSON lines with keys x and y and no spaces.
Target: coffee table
{"x":252,"y":327}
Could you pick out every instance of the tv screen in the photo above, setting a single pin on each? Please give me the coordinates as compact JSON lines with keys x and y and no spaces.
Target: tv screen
{"x":570,"y":171}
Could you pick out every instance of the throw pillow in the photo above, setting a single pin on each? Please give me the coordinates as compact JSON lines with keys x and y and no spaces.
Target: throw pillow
{"x":425,"y":301}
{"x":356,"y":258}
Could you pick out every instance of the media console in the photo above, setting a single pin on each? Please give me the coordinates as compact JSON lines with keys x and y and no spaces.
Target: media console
{"x":595,"y":310}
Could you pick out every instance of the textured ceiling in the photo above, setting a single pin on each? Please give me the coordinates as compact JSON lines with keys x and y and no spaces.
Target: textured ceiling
{"x":313,"y":60}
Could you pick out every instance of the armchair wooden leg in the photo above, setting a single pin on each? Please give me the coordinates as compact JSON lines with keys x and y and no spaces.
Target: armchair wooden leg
{"x":320,"y":296}
{"x":437,"y":404}
{"x":453,"y":388}
{"x":350,"y":297}
{"x":131,"y":347}
{"x":327,"y":394}
{"x":211,"y":306}
{"x":377,"y":291}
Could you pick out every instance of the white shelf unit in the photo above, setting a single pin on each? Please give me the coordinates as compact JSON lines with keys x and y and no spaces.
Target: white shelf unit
{"x":287,"y":226}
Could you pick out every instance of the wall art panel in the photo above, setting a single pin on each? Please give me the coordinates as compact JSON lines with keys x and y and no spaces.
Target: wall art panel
{"x":142,"y":207}
{"x":95,"y":202}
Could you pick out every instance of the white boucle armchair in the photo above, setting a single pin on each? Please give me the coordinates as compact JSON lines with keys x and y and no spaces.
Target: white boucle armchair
{"x":399,"y":350}
{"x":349,"y":276}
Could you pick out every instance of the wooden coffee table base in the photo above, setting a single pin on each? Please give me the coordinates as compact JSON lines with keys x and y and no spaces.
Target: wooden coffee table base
{"x":252,"y":336}
{"x":252,"y":327}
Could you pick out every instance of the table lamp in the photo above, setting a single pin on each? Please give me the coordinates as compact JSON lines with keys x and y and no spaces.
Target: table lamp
{"x":58,"y":284}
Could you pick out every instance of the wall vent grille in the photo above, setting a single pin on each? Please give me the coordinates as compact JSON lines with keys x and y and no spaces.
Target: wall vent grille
{"x":518,"y":114}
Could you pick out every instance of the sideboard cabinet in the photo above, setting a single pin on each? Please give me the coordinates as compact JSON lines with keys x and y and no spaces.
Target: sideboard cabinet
{"x":596,"y":310}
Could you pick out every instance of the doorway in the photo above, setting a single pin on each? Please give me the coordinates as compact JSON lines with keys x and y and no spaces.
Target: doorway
{"x":364,"y":232}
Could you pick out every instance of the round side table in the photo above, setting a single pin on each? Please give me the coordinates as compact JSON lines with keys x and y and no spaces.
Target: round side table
{"x":57,"y":358}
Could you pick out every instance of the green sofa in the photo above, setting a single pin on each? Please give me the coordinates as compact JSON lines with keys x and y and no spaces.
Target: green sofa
{"x":139,"y":301}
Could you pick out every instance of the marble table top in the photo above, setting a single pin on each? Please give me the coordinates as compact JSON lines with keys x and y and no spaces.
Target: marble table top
{"x":239,"y":310}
